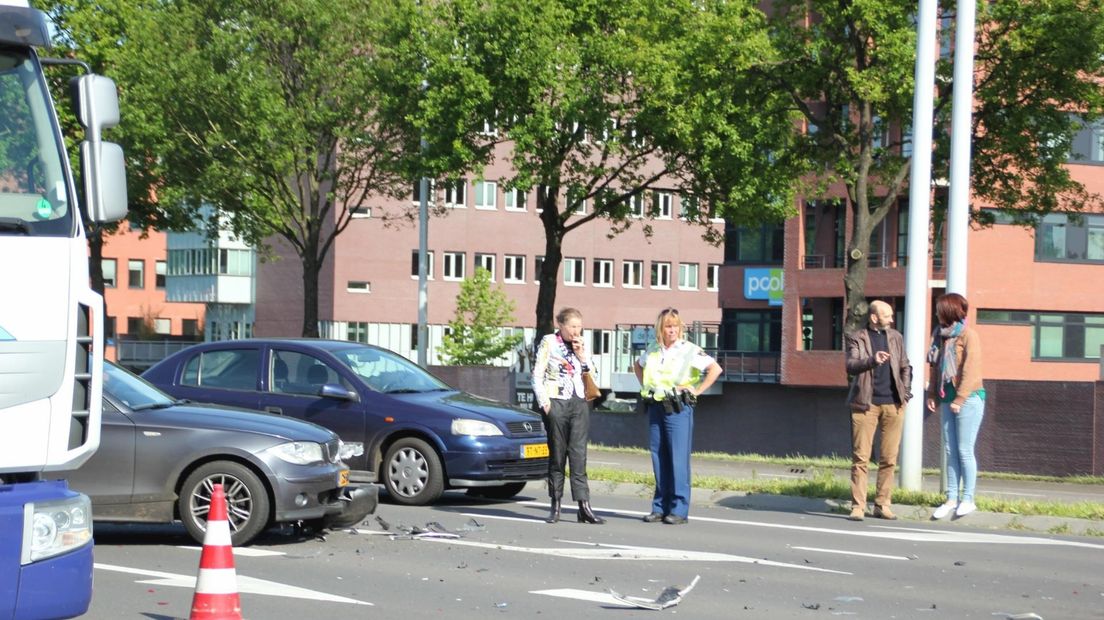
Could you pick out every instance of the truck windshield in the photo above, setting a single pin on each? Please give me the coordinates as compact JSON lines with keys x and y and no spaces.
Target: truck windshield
{"x":33,"y":199}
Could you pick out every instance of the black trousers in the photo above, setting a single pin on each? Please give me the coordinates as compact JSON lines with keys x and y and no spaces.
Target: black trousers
{"x":568,"y":430}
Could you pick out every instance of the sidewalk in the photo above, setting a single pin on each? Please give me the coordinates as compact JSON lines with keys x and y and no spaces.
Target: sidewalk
{"x":1007,"y":489}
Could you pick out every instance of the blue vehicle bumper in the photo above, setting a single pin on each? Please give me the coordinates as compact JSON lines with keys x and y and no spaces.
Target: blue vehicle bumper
{"x":55,"y":587}
{"x":486,"y":461}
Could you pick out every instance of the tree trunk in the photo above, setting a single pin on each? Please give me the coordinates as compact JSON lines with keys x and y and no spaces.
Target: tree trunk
{"x":311,"y":267}
{"x":854,"y":281}
{"x":553,"y":256}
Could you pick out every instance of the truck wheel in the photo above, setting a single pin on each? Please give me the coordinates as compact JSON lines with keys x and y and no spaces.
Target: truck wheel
{"x":412,"y":472}
{"x":247,"y":504}
{"x":505,"y":491}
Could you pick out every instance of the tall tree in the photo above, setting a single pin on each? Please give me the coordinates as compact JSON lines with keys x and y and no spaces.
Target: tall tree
{"x":848,"y":68}
{"x":604,"y":102}
{"x":475,"y":334}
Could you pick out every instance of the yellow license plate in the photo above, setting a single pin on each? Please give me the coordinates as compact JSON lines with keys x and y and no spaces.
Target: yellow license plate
{"x":343,"y":478}
{"x":534,"y":451}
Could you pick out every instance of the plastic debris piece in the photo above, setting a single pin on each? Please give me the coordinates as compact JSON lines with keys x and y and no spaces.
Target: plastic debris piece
{"x":1025,"y":616}
{"x":501,"y":605}
{"x":472,"y":526}
{"x":384,"y":524}
{"x":960,"y":563}
{"x":849,"y":599}
{"x":669,"y":597}
{"x":813,"y":606}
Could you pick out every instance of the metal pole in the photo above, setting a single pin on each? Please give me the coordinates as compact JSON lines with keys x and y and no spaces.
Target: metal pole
{"x":962,"y":100}
{"x":423,"y":285}
{"x":916,"y":286}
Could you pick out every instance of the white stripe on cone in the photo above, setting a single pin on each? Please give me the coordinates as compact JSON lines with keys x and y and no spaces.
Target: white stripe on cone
{"x":217,"y":581}
{"x":217,"y":534}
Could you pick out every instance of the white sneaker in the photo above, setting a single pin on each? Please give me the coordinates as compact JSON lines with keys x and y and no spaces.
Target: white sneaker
{"x":965,"y":508}
{"x":944,"y":510}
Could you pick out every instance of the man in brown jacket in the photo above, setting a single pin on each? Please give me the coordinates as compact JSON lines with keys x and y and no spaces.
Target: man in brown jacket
{"x":880,"y":388}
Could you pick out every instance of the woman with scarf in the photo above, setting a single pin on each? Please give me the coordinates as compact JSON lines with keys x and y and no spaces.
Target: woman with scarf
{"x":558,"y":371}
{"x":956,"y":388}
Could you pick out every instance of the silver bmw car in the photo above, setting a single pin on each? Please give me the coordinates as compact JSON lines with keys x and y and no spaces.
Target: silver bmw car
{"x":159,"y":459}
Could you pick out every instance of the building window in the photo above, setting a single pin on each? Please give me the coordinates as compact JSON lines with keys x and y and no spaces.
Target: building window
{"x":486,"y":261}
{"x":538,"y":267}
{"x":689,"y":208}
{"x":486,"y":195}
{"x":752,"y":331}
{"x":134,"y":326}
{"x":636,"y":205}
{"x":136,"y":277}
{"x":162,"y":326}
{"x":514,"y":200}
{"x":688,"y":276}
{"x":577,"y":196}
{"x":513,"y":269}
{"x":108,"y":266}
{"x":662,"y":205}
{"x":414,"y":264}
{"x":417,"y":194}
{"x":358,"y":286}
{"x":759,"y":245}
{"x":603,"y":272}
{"x":357,"y":331}
{"x":456,"y":194}
{"x":235,"y":262}
{"x":160,"y":268}
{"x":632,"y":273}
{"x":1088,"y":143}
{"x":1074,"y":337}
{"x":454,"y":266}
{"x":712,"y":277}
{"x":1070,"y":238}
{"x":574,"y":269}
{"x":361,"y":212}
{"x":661,"y":275}
{"x":189,"y":327}
{"x":109,"y":326}
{"x":543,"y":193}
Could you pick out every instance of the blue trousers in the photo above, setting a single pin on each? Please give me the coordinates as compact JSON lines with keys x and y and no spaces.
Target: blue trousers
{"x":960,"y":431}
{"x":670,"y":436}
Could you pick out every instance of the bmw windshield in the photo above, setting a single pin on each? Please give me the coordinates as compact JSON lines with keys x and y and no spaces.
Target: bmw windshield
{"x":133,"y":391}
{"x":389,"y":373}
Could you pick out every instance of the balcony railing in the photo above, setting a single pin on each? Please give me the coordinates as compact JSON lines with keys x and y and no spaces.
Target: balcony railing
{"x":141,"y":354}
{"x":742,"y":367}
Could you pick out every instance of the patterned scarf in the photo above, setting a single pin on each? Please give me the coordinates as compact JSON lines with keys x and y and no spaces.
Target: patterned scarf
{"x":942,"y":354}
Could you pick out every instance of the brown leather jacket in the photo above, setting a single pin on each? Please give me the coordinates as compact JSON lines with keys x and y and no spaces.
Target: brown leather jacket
{"x":860,"y":366}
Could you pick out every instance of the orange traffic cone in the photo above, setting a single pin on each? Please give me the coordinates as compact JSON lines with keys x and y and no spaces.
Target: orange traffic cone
{"x":216,"y":593}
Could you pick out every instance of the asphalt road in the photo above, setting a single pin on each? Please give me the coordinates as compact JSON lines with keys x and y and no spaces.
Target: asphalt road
{"x":773,"y":563}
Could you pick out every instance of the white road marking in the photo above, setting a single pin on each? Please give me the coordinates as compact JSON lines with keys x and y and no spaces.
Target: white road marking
{"x":502,"y":518}
{"x":594,"y":551}
{"x":246,"y":585}
{"x":582,"y":595}
{"x":246,"y":552}
{"x":858,"y":553}
{"x":895,"y":533}
{"x":603,"y":462}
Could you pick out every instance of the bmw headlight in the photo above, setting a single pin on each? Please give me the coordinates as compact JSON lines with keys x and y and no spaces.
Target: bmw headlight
{"x":477,"y":428}
{"x":56,"y":527}
{"x":298,"y":452}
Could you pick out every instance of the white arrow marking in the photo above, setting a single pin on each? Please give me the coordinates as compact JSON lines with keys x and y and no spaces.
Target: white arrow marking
{"x":582,"y":595}
{"x":896,"y":533}
{"x":246,"y":585}
{"x":865,"y":555}
{"x":628,"y":552}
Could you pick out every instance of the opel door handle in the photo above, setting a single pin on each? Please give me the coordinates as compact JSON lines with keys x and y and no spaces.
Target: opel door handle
{"x":276,"y":410}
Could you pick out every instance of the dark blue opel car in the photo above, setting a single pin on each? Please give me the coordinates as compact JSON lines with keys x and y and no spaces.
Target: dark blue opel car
{"x":420,"y":435}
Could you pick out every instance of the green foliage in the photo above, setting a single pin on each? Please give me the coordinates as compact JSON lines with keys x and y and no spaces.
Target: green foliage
{"x":475,"y":334}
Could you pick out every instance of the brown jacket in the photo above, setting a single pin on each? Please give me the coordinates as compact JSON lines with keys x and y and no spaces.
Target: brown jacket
{"x":968,"y":356}
{"x":860,"y":365}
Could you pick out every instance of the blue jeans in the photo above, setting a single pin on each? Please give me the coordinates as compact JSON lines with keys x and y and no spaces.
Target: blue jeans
{"x":960,"y":431}
{"x":670,"y":435}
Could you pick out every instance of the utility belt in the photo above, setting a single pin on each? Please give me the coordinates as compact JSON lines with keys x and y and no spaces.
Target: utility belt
{"x":673,"y":401}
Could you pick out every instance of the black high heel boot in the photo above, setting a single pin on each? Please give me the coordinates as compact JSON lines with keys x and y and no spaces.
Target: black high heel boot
{"x":586,"y":515}
{"x":554,"y":514}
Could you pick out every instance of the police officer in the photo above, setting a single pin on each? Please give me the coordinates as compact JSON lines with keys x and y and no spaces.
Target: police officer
{"x":670,"y":373}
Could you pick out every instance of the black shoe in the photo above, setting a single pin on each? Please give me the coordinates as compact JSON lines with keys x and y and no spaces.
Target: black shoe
{"x":674,"y":520}
{"x":586,"y":515}
{"x":654,"y":517}
{"x":554,"y":514}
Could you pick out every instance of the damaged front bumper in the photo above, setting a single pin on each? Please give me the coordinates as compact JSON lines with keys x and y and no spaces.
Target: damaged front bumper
{"x":353,"y":504}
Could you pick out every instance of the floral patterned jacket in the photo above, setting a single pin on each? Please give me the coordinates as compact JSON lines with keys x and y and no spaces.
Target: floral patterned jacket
{"x":557,"y":372}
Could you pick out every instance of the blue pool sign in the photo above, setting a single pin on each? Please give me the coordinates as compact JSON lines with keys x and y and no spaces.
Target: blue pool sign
{"x":764,"y":284}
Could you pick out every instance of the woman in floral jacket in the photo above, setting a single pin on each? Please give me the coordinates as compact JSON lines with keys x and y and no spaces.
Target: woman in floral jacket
{"x":558,"y":371}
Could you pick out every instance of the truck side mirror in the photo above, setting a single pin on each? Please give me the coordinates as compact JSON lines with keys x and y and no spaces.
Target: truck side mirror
{"x":103,"y":170}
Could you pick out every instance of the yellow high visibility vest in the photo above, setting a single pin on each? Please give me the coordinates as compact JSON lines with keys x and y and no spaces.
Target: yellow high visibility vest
{"x":665,"y":374}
